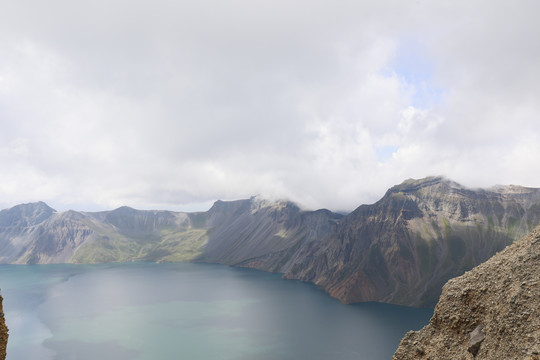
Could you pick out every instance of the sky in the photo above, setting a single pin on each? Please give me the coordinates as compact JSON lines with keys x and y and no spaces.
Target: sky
{"x":174,"y":104}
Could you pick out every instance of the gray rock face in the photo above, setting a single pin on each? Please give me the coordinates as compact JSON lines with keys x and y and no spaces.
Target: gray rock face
{"x":264,"y":235}
{"x":403,"y":248}
{"x":18,"y":228}
{"x":475,"y":340}
{"x":490,"y":312}
{"x":25,"y":215}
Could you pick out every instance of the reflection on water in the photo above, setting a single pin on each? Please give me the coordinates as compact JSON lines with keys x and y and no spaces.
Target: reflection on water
{"x":188,"y":311}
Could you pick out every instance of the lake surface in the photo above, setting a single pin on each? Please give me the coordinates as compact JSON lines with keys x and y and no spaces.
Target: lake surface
{"x":146,"y":311}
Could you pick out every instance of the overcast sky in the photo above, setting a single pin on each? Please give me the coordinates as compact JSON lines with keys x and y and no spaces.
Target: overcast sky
{"x":172,"y":104}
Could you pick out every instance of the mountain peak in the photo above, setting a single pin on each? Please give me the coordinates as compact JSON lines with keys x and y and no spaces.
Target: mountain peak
{"x":412,"y":185}
{"x":39,"y":205}
{"x":254,"y":204}
{"x":258,"y":202}
{"x":26,"y":214}
{"x":124,"y":210}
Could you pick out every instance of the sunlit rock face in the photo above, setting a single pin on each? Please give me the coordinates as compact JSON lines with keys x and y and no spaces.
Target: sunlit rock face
{"x":403,"y":248}
{"x":491,"y":312}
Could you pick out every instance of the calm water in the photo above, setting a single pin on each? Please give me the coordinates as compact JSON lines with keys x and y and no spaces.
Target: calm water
{"x":188,"y":311}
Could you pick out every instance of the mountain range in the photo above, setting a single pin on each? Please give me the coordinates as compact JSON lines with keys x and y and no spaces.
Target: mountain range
{"x":400,"y":250}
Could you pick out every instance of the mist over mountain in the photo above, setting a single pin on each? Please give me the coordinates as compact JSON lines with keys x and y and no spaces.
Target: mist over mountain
{"x":400,"y":250}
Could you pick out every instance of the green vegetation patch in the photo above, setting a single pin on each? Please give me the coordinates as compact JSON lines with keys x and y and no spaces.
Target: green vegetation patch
{"x":446,"y":228}
{"x":512,"y":226}
{"x":105,"y":249}
{"x":169,"y":244}
{"x":426,"y":256}
{"x":178,"y":246}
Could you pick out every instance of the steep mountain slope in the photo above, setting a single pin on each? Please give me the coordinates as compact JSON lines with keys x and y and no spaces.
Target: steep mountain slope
{"x":403,"y":248}
{"x":17,"y":225}
{"x":229,"y":233}
{"x":491,"y":312}
{"x":262,"y":234}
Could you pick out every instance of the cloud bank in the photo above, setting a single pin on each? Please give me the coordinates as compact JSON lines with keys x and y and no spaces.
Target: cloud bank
{"x":174,"y":104}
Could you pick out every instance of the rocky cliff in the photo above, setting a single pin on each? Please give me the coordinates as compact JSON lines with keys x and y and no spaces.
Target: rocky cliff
{"x":264,"y":235}
{"x":491,"y":312}
{"x":3,"y":332}
{"x":403,"y":248}
{"x":400,"y":250}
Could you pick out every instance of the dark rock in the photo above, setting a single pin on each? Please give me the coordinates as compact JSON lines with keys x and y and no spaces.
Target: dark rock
{"x":476,"y":338}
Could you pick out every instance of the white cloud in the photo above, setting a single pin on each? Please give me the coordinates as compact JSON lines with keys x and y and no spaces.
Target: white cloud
{"x":169,"y":104}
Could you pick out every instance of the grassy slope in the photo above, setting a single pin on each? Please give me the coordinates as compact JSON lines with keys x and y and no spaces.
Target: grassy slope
{"x":163,"y":244}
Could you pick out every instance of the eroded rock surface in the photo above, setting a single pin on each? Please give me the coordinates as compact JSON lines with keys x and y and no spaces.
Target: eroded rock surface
{"x":3,"y":332}
{"x":497,"y":304}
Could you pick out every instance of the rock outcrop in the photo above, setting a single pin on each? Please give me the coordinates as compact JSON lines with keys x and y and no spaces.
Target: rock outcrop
{"x":491,"y":312}
{"x":3,"y":332}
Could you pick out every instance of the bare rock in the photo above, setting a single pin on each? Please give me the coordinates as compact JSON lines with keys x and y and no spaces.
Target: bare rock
{"x":476,"y":338}
{"x":490,"y":312}
{"x":3,"y":332}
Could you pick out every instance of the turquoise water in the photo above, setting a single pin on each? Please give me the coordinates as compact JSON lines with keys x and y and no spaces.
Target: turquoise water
{"x":149,"y":311}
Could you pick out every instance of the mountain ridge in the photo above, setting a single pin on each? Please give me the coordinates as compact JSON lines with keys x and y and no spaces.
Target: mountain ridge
{"x":401,"y":249}
{"x":127,"y":234}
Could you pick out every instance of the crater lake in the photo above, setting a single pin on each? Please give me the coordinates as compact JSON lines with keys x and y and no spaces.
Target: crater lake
{"x":148,"y":311}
